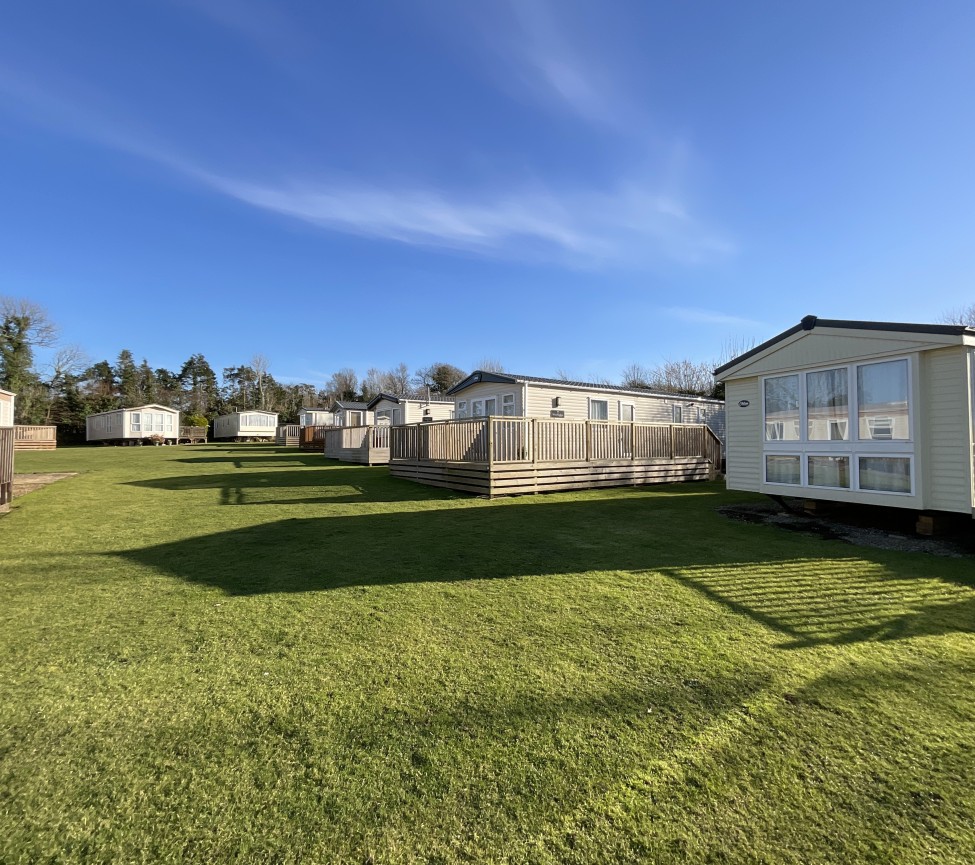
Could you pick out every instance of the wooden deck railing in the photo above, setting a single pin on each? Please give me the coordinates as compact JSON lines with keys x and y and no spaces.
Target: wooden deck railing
{"x":313,"y":437}
{"x":287,"y":435}
{"x":504,"y":440}
{"x":6,"y":466}
{"x":365,"y":439}
{"x":35,"y":437}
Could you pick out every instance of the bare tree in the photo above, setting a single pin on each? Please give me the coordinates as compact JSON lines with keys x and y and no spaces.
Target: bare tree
{"x":563,"y":374}
{"x":260,"y":364}
{"x":636,"y":375}
{"x":960,"y":315}
{"x":398,"y":380}
{"x":344,"y":384}
{"x":491,"y":364}
{"x":373,"y":383}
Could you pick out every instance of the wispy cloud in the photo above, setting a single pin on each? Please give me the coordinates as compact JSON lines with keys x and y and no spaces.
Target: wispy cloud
{"x":708,"y":316}
{"x":585,"y":227}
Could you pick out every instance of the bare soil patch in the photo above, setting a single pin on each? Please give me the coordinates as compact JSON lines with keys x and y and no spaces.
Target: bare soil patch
{"x":28,"y":483}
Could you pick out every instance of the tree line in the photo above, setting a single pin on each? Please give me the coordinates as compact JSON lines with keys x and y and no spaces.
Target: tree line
{"x":69,"y":387}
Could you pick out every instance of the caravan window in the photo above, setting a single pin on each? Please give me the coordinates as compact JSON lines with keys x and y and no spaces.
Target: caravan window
{"x":598,"y":409}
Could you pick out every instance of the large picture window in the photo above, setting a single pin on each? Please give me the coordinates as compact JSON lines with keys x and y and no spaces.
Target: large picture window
{"x":827,"y":405}
{"x":782,"y":408}
{"x":847,"y":427}
{"x":883,"y":401}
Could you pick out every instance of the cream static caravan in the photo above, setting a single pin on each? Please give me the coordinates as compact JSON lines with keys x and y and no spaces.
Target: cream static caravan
{"x":250,"y":425}
{"x":396,"y":410}
{"x":346,"y":413}
{"x":875,"y":413}
{"x":132,"y":425}
{"x":7,"y":399}
{"x":315,"y":417}
{"x":500,"y":394}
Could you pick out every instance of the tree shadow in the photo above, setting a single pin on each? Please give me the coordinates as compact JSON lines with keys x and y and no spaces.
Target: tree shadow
{"x":810,"y":590}
{"x":838,"y":601}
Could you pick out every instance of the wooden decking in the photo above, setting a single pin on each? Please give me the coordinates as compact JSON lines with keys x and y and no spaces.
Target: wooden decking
{"x":312,"y":438}
{"x":193,"y":435}
{"x":511,"y":456}
{"x":368,"y":445}
{"x":6,"y":467}
{"x":287,"y":435}
{"x":35,"y":438}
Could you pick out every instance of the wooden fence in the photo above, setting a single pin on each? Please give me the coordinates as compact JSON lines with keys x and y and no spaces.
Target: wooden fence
{"x":287,"y":435}
{"x":502,"y":440}
{"x":368,"y":445}
{"x":193,"y":435}
{"x":500,"y":455}
{"x":35,"y":438}
{"x":6,"y":467}
{"x":313,"y":438}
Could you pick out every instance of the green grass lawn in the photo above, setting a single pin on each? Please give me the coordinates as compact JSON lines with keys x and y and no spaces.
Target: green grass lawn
{"x":221,"y":654}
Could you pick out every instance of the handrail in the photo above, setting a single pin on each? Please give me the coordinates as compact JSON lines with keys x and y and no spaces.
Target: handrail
{"x":519,"y":439}
{"x":35,"y":433}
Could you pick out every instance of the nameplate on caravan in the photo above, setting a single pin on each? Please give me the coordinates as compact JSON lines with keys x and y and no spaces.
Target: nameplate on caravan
{"x":743,"y":403}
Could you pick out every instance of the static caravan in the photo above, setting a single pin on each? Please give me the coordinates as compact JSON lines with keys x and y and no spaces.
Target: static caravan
{"x":347,"y":413}
{"x":6,"y":448}
{"x":315,"y":417}
{"x":514,"y":434}
{"x":7,"y":399}
{"x":252,"y":425}
{"x":396,"y":410}
{"x":499,"y":394}
{"x":867,"y":412}
{"x":134,"y":425}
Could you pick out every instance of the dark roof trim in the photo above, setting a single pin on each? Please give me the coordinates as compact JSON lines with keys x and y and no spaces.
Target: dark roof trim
{"x":401,"y":399}
{"x":354,"y":406}
{"x":479,"y":376}
{"x":381,"y":396}
{"x":811,"y":322}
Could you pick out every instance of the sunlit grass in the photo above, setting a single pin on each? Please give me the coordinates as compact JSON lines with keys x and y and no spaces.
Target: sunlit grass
{"x":243,"y":654}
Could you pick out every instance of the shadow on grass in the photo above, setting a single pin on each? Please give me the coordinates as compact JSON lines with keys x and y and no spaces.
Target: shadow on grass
{"x":810,"y":590}
{"x":336,"y":483}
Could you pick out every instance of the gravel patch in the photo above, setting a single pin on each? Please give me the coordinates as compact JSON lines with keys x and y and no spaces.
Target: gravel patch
{"x":837,"y":528}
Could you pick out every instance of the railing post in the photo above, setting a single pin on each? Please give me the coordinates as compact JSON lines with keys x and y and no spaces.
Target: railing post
{"x":673,"y":446}
{"x":534,"y":440}
{"x":588,"y":441}
{"x":633,"y":441}
{"x":490,"y":438}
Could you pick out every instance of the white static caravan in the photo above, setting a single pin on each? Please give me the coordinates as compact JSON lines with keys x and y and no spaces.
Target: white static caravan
{"x":133,"y":425}
{"x":488,"y":393}
{"x":397,"y":410}
{"x":316,"y":417}
{"x":867,"y":412}
{"x":346,"y":413}
{"x":251,"y":425}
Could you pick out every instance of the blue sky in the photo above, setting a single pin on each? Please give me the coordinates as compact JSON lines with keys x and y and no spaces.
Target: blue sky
{"x":555,"y":185}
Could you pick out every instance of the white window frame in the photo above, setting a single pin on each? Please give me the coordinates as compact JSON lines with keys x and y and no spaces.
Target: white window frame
{"x":629,"y":405}
{"x":507,"y":402}
{"x":677,"y":412}
{"x":477,"y":408}
{"x":461,"y":411}
{"x":135,"y":421}
{"x":593,"y":402}
{"x":854,"y":447}
{"x":491,"y":412}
